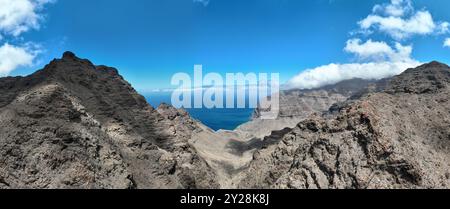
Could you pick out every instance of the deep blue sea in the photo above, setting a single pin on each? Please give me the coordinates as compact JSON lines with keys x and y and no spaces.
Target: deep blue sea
{"x":227,"y":119}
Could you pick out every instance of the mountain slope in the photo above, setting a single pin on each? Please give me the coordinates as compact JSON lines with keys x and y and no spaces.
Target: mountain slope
{"x":76,"y":125}
{"x":399,"y":138}
{"x":230,"y":152}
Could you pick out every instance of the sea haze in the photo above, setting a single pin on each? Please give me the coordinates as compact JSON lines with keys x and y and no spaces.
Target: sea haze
{"x":216,"y":118}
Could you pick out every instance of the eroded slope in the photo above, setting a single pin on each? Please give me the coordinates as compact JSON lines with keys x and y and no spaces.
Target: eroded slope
{"x":399,"y":138}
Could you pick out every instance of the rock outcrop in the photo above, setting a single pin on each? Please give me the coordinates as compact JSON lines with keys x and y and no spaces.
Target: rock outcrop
{"x":77,"y":125}
{"x":298,"y":104}
{"x":398,"y":138}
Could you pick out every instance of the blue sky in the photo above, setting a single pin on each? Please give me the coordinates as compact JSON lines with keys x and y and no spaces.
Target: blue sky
{"x":150,"y":40}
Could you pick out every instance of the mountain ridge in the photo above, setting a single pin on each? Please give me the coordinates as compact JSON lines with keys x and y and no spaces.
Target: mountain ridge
{"x":77,"y":125}
{"x":398,"y":138}
{"x":74,"y":124}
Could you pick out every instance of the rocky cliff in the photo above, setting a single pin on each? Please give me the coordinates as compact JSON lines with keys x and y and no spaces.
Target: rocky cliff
{"x":298,"y":104}
{"x":398,"y":138}
{"x":77,"y":125}
{"x":230,"y":152}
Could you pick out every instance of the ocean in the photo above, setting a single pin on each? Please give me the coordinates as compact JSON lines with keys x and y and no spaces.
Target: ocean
{"x":216,"y":119}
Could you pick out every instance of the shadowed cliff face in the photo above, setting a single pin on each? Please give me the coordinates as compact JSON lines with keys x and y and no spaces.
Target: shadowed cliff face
{"x":398,"y":138}
{"x":77,"y":125}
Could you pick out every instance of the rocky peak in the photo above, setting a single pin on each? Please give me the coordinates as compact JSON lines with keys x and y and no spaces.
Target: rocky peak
{"x":435,"y":64}
{"x":69,"y":55}
{"x":427,"y":78}
{"x":169,"y":112}
{"x":94,"y":131}
{"x":110,"y":70}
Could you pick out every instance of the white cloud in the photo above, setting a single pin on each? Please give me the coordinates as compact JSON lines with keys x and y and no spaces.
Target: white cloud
{"x":378,"y":51}
{"x":334,"y":73}
{"x":381,"y":61}
{"x":443,"y":28}
{"x":12,"y":57}
{"x":18,"y":16}
{"x":447,"y":42}
{"x":377,"y":59}
{"x":396,"y":8}
{"x":204,"y":2}
{"x":399,"y":20}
